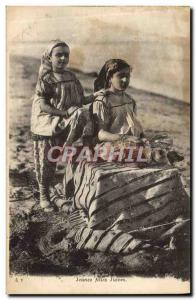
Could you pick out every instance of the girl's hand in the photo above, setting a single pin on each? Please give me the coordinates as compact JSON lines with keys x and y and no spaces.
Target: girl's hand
{"x":67,"y":113}
{"x":99,"y":93}
{"x":71,"y":110}
{"x":145,"y":142}
{"x":130,"y":139}
{"x":105,"y":136}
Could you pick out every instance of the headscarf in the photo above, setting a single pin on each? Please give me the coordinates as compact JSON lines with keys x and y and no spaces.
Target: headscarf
{"x":46,"y":64}
{"x":111,"y":66}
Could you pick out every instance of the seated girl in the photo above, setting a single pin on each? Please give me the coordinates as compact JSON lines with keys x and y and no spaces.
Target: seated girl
{"x":115,"y":113}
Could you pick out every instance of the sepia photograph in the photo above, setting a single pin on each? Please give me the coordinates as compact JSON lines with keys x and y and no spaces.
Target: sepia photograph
{"x":98,"y":150}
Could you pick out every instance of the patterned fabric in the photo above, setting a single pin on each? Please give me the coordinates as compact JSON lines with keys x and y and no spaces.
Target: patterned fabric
{"x":115,"y":205}
{"x":79,"y":125}
{"x":44,"y":169}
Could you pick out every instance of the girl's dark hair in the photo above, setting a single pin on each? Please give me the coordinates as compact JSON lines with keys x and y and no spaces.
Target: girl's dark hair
{"x":111,"y":66}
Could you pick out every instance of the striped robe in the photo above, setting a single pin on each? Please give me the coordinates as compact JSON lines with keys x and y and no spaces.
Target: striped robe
{"x":115,"y":204}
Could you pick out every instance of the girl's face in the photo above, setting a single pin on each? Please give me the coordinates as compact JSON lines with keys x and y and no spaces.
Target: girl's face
{"x":120,"y":80}
{"x":59,"y":58}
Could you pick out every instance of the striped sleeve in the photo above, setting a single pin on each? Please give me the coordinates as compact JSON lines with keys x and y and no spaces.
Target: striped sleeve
{"x":80,"y":89}
{"x":44,"y":89}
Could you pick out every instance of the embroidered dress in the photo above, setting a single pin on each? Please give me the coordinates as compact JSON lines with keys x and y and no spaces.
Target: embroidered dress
{"x":116,"y":113}
{"x":63,"y":95}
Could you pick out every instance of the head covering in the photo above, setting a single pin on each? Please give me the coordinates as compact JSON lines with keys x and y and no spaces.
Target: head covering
{"x":46,"y":64}
{"x":111,"y":66}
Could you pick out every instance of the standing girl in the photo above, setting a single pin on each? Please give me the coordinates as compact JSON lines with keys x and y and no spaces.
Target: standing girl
{"x":57,"y":113}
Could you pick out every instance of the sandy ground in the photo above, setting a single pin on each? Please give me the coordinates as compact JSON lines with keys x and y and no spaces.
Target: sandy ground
{"x":28,"y":224}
